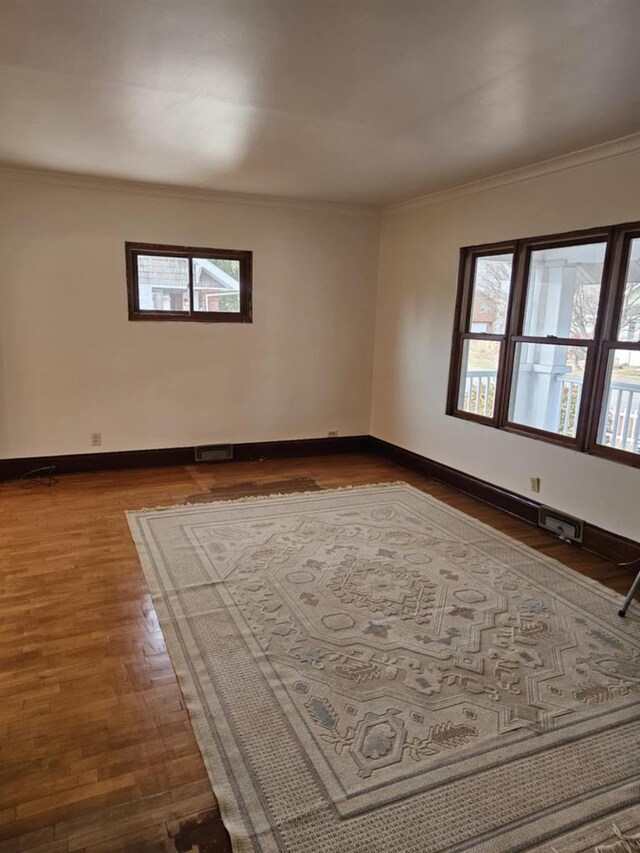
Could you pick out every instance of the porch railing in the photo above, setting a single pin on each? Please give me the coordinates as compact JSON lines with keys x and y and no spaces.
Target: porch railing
{"x":620,"y":427}
{"x":480,"y":392}
{"x":569,"y":405}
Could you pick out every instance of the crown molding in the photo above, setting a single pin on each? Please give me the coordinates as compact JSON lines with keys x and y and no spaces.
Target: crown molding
{"x":601,"y":153}
{"x":586,"y":156}
{"x":90,"y":182}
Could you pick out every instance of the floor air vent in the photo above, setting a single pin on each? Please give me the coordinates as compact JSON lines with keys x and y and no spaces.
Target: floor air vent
{"x":213,"y":452}
{"x":564,"y":526}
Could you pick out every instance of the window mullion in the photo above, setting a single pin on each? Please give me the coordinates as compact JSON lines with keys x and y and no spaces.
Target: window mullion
{"x":606,"y":330}
{"x":586,"y":403}
{"x":190,"y":286}
{"x":611,"y":343}
{"x":612,"y":297}
{"x":463,"y":304}
{"x":512,"y":327}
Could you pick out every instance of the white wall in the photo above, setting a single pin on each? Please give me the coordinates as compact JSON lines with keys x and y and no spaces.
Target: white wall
{"x":71,"y":363}
{"x":416,"y":295}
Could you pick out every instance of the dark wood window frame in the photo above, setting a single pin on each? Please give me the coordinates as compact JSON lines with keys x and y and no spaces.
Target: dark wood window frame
{"x":245,"y":258}
{"x":618,"y":240}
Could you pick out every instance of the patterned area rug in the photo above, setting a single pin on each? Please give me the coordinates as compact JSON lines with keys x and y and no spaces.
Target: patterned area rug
{"x":369,"y":670}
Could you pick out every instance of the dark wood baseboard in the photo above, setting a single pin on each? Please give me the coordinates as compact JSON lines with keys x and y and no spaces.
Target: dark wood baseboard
{"x":610,"y":546}
{"x":604,"y":543}
{"x":13,"y":469}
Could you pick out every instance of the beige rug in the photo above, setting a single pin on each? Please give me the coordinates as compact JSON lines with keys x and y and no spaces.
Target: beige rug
{"x":368,"y":670}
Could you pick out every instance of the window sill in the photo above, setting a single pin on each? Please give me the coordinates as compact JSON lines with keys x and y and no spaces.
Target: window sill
{"x":202,"y":317}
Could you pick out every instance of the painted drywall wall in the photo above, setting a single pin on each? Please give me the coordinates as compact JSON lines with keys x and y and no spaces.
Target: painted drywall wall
{"x":71,"y":363}
{"x":416,"y":295}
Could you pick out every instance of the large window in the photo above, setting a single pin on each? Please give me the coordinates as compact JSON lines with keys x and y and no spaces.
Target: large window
{"x":547,"y":339}
{"x":182,"y":283}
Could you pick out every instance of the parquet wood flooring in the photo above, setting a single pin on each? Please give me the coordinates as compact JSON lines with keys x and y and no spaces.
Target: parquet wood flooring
{"x":97,"y":752}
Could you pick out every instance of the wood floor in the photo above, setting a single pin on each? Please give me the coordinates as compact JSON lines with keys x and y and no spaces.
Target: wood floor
{"x":96,"y":749}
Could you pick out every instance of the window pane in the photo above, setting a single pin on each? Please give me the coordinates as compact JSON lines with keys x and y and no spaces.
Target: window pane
{"x":216,"y":285}
{"x":563,"y":291}
{"x":163,"y":283}
{"x":547,"y":387}
{"x":630,"y":318}
{"x":478,"y":377}
{"x":620,"y":417}
{"x":491,"y":282}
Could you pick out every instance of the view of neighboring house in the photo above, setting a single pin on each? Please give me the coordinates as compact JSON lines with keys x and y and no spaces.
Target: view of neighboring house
{"x":163,"y":284}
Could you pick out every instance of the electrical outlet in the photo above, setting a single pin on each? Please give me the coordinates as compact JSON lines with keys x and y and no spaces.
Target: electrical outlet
{"x":96,"y":439}
{"x":534,"y":484}
{"x":332,"y":433}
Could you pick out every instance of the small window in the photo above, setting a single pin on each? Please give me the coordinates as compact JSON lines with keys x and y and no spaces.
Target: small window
{"x":188,"y":284}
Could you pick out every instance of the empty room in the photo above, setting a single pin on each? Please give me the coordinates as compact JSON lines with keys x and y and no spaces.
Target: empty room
{"x":319,"y":426}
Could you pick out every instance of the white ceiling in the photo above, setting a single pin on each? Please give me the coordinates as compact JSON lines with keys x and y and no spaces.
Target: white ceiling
{"x":370,"y":101}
